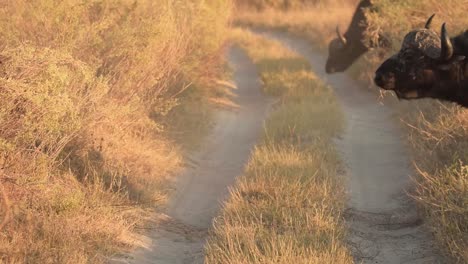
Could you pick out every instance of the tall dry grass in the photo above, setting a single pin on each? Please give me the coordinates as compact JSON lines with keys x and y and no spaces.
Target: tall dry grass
{"x":438,"y":137}
{"x":86,"y":90}
{"x":284,"y":5}
{"x":317,"y":21}
{"x":287,"y":207}
{"x":437,"y":132}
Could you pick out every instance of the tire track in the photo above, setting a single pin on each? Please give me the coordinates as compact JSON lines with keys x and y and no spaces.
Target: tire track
{"x":180,"y":235}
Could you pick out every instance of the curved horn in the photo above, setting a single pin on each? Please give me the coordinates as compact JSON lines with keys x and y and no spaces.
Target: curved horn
{"x":446,"y":52}
{"x":340,"y":36}
{"x":429,"y":22}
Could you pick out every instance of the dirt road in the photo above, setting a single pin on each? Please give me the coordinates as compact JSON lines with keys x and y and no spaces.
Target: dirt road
{"x":384,"y":225}
{"x":383,"y":222}
{"x":181,"y":233}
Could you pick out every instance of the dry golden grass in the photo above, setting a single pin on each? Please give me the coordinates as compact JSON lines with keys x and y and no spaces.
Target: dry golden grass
{"x":288,"y":206}
{"x":285,"y":5}
{"x":90,"y":91}
{"x":438,"y":136}
{"x":437,"y":132}
{"x":317,"y":23}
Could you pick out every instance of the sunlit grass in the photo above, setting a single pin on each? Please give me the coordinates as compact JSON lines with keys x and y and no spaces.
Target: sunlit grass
{"x":438,"y":137}
{"x":317,"y":23}
{"x":93,"y":97}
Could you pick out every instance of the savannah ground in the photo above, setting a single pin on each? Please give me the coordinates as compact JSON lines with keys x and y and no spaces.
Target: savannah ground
{"x":269,"y":213}
{"x":290,"y":185}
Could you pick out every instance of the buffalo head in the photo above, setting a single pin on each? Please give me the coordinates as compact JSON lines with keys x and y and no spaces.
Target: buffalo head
{"x":424,"y":67}
{"x":341,"y":53}
{"x":345,"y":48}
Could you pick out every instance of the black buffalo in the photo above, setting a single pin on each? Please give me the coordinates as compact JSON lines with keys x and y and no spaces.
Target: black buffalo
{"x":345,"y":49}
{"x":428,"y":65}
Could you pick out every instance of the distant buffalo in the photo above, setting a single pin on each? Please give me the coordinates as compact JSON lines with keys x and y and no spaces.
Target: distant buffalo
{"x":428,"y":66}
{"x":348,"y":47}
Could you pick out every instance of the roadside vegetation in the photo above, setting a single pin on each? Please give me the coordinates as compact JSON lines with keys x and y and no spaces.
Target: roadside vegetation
{"x":94,"y":98}
{"x":288,"y":206}
{"x":437,"y":132}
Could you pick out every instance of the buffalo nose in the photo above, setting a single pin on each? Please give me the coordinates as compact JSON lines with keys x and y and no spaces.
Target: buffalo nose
{"x":379,"y":79}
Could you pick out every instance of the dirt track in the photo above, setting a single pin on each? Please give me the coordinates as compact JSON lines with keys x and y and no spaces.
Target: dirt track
{"x":180,"y":235}
{"x":384,"y":225}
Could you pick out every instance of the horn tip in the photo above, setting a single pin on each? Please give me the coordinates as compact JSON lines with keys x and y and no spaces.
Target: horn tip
{"x":429,"y":21}
{"x":444,"y":27}
{"x":447,"y":48}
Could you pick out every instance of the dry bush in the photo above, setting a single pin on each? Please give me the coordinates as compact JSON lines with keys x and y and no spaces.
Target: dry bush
{"x":86,"y":90}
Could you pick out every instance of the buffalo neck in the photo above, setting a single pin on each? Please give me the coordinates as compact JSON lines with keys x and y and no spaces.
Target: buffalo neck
{"x":453,"y":91}
{"x":356,"y":50}
{"x":454,"y":86}
{"x":357,"y":28}
{"x":460,"y":44}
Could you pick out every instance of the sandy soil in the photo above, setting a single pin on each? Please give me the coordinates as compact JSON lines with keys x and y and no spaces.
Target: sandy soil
{"x":383,"y":221}
{"x":199,"y":191}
